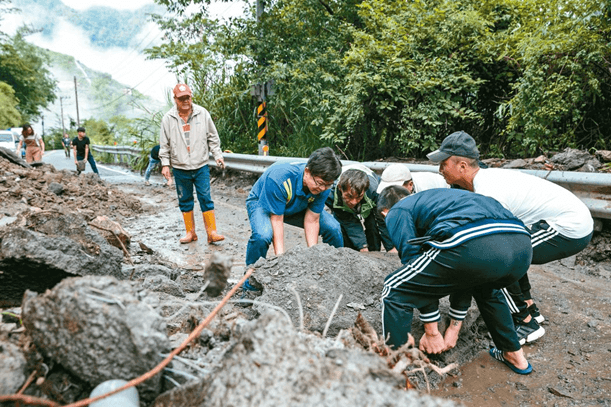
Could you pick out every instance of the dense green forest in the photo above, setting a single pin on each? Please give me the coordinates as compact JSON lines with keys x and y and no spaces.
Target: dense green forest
{"x":377,"y":78}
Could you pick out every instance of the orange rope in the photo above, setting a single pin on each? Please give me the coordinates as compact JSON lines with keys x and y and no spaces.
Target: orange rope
{"x":144,"y":377}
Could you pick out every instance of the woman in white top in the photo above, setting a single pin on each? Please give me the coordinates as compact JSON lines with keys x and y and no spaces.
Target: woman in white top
{"x":35,"y":146}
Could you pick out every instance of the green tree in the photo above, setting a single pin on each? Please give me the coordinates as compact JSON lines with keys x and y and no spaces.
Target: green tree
{"x":24,"y":68}
{"x":9,"y":115}
{"x":385,"y":77}
{"x":98,"y":132}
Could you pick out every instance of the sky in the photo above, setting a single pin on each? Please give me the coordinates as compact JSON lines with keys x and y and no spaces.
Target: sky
{"x":127,"y":66}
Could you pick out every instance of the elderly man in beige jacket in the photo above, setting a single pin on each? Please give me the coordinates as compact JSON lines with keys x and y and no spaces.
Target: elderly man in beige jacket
{"x":188,"y":136}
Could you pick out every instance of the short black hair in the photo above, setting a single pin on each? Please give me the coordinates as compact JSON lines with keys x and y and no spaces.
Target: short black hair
{"x":390,"y":196}
{"x":323,"y":163}
{"x":80,"y":129}
{"x":353,"y":179}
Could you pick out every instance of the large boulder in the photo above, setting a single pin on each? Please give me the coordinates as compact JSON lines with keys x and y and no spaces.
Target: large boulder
{"x":98,"y":329}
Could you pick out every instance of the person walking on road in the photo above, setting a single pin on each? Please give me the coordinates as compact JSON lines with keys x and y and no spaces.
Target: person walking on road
{"x":66,"y":144}
{"x":34,"y":144}
{"x":153,"y":161}
{"x":453,"y":242}
{"x":188,"y":136}
{"x":560,"y":223}
{"x":80,"y":146}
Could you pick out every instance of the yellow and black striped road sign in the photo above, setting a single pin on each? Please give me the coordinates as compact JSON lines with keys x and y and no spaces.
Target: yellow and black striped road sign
{"x":262,"y":120}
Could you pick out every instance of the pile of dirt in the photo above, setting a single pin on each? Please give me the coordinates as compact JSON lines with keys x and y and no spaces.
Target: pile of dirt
{"x":46,"y":188}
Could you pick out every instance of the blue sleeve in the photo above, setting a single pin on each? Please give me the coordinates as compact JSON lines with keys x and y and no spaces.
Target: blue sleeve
{"x":318,"y":204}
{"x":274,"y":196}
{"x":402,"y":229}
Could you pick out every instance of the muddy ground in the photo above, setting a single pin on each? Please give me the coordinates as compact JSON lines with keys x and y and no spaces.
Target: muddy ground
{"x":572,"y":362}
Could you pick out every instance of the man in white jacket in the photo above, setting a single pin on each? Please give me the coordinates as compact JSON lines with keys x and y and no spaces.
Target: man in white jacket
{"x":188,"y":136}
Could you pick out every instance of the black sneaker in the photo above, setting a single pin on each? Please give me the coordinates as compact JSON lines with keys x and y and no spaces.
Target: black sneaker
{"x":534,"y":312}
{"x":529,"y":332}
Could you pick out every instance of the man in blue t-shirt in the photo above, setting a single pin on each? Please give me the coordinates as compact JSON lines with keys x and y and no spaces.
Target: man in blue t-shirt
{"x":293,"y":193}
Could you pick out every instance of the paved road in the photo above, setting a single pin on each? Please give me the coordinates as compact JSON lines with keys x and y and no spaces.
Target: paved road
{"x":109,"y":173}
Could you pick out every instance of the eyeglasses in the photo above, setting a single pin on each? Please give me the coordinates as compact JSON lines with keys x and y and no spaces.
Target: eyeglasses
{"x":322,"y":184}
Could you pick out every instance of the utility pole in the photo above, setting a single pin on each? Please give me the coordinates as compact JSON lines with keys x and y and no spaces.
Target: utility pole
{"x":61,"y":105}
{"x":78,"y":122}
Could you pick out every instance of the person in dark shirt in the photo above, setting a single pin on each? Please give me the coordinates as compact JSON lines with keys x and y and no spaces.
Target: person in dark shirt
{"x":457,"y":243}
{"x":66,"y":144}
{"x":80,"y":145}
{"x":153,"y":161}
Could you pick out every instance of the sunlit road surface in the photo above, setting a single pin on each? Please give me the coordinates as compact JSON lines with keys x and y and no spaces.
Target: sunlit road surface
{"x":109,"y":173}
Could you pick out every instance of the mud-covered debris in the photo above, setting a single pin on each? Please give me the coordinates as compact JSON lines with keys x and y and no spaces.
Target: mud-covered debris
{"x":23,"y":186}
{"x":43,"y":247}
{"x":97,"y":329}
{"x":12,"y":368}
{"x":216,"y":274}
{"x":112,"y":231}
{"x":271,"y":364}
{"x":145,"y":248}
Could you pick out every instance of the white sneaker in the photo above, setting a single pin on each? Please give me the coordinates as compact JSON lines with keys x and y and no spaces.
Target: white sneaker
{"x":147,"y":183}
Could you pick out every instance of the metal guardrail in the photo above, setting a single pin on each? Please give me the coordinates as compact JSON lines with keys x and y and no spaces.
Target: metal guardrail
{"x":594,"y":189}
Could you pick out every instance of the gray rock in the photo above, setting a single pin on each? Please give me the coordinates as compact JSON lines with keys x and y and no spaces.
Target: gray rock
{"x":163,"y":284}
{"x":519,"y":163}
{"x":569,"y":261}
{"x":145,"y":270}
{"x":591,"y":165}
{"x":97,"y":329}
{"x":604,"y":155}
{"x":56,"y":188}
{"x":571,"y":159}
{"x":283,"y":368}
{"x":12,"y":368}
{"x":49,"y":248}
{"x":217,"y":272}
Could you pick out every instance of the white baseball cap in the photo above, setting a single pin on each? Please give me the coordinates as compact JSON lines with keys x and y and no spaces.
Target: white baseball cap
{"x":394,"y":174}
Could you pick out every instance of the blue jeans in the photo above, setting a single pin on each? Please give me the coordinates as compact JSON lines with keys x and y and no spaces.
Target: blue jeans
{"x":90,"y":160}
{"x":185,"y":181}
{"x":262,"y":234}
{"x":152,"y":164}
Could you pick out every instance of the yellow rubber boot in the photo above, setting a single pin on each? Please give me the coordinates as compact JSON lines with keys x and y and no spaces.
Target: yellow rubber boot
{"x":210,"y":222}
{"x":190,"y":226}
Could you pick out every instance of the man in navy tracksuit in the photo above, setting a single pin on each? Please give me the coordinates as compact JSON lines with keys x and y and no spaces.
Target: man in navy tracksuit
{"x":457,"y":243}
